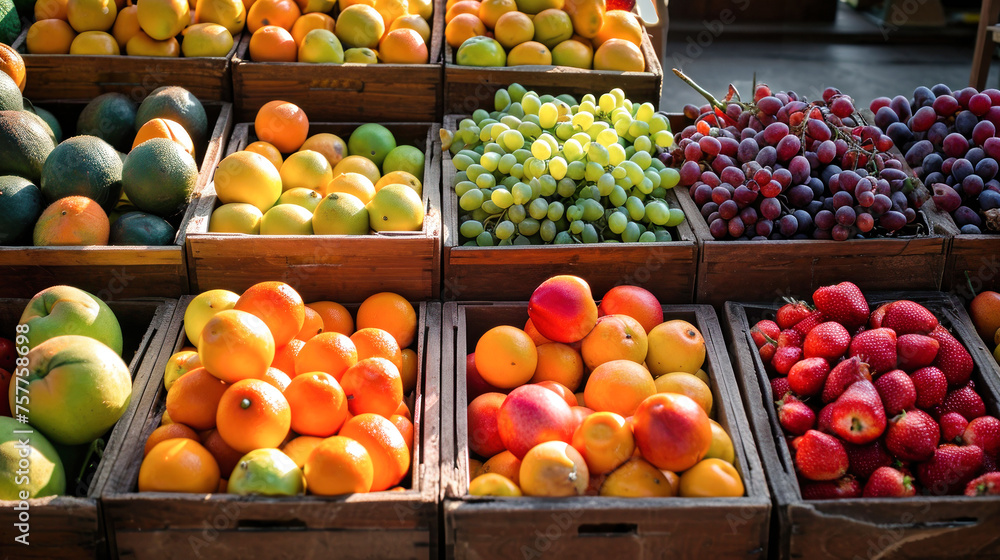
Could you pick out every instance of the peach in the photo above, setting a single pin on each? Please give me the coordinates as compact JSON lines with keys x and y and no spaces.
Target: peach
{"x":562,"y":309}
{"x":615,"y":337}
{"x":638,"y":303}
{"x":672,"y":431}
{"x":531,"y":415}
{"x":484,"y":435}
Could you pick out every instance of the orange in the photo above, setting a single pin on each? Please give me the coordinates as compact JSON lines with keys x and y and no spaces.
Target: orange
{"x":225,"y":456}
{"x":536,"y":336}
{"x":143,"y":45}
{"x":686,"y":384}
{"x":506,"y":357}
{"x":619,"y":55}
{"x":330,"y":145}
{"x":637,"y":479}
{"x":405,"y":427}
{"x":387,"y":447}
{"x":283,"y":124}
{"x":308,"y":22}
{"x":272,"y":43}
{"x":377,"y":343}
{"x":409,"y":372}
{"x":276,"y":378}
{"x":12,"y":64}
{"x":278,"y":305}
{"x":282,"y":13}
{"x":504,"y":463}
{"x":711,"y":478}
{"x":463,"y":26}
{"x":492,"y":484}
{"x":553,"y":469}
{"x":414,"y":22}
{"x":339,"y":465}
{"x":284,"y":356}
{"x":391,"y":313}
{"x":461,"y":7}
{"x":675,"y":346}
{"x":619,"y":24}
{"x":328,"y":352}
{"x":318,"y":402}
{"x":351,"y":183}
{"x":615,"y":337}
{"x":51,"y":9}
{"x":311,"y":326}
{"x":560,"y":363}
{"x":170,"y":431}
{"x":491,"y":10}
{"x":179,"y":465}
{"x":514,"y":28}
{"x":253,"y":414}
{"x":300,"y":448}
{"x":605,"y":441}
{"x":336,"y":317}
{"x":193,"y":399}
{"x":529,"y":53}
{"x":236,"y":345}
{"x":49,"y":36}
{"x":267,"y":150}
{"x":73,"y":220}
{"x":985,"y":312}
{"x":91,"y":15}
{"x":618,"y":386}
{"x":164,"y":128}
{"x":373,"y":386}
{"x":358,"y":164}
{"x":403,"y":46}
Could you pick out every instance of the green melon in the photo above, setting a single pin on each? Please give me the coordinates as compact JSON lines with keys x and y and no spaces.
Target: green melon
{"x":10,"y":95}
{"x":179,"y":105}
{"x":85,"y":166}
{"x":140,"y":228}
{"x":55,"y":128}
{"x":10,"y":22}
{"x":159,"y":177}
{"x":20,"y":205}
{"x":110,"y":117}
{"x":25,"y":144}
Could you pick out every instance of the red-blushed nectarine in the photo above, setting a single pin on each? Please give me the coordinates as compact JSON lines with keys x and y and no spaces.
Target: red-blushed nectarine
{"x":531,"y":415}
{"x":562,"y":308}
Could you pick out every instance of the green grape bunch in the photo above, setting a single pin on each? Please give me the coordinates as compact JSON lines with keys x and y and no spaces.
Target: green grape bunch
{"x":547,"y":169}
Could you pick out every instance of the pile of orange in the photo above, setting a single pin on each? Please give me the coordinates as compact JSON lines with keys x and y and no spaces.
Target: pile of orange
{"x":163,"y":28}
{"x":364,"y":31}
{"x":574,"y":33}
{"x":275,"y":389}
{"x":626,"y":411}
{"x":324,"y":186}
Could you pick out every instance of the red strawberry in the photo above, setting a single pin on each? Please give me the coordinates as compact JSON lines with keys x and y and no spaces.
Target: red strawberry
{"x":824,"y":420}
{"x":985,"y":485}
{"x":767,"y":352}
{"x":844,"y":487}
{"x":877,"y":347}
{"x":791,"y":313}
{"x":863,"y":460}
{"x":790,"y":337}
{"x":953,"y":425}
{"x":764,"y":331}
{"x":952,"y":357}
{"x":827,"y":340}
{"x":965,"y":401}
{"x":794,"y":415}
{"x":887,"y":482}
{"x":875,"y":321}
{"x":951,"y":469}
{"x":931,"y":386}
{"x":807,"y":376}
{"x":779,"y":386}
{"x":915,"y":351}
{"x":858,"y":416}
{"x":819,"y":456}
{"x":784,"y":358}
{"x":912,"y":436}
{"x":843,"y":303}
{"x":805,"y":326}
{"x":905,"y":317}
{"x":983,"y":432}
{"x":843,"y":376}
{"x":897,"y":391}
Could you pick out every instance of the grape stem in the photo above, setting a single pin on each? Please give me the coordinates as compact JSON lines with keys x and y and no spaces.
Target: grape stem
{"x":704,"y":93}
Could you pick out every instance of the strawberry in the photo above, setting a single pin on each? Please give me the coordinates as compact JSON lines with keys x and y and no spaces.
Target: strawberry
{"x":915,"y":351}
{"x":779,"y":386}
{"x":791,"y":313}
{"x":952,"y":357}
{"x":897,"y":391}
{"x":887,"y":482}
{"x":784,"y":358}
{"x":819,"y":456}
{"x":794,"y":415}
{"x":805,"y":326}
{"x":863,"y":460}
{"x":843,"y":376}
{"x":906,"y":317}
{"x":807,"y":376}
{"x":931,"y":386}
{"x":985,"y":485}
{"x":953,"y":425}
{"x":858,"y":416}
{"x":983,"y":432}
{"x":844,"y":487}
{"x":877,"y":347}
{"x":764,"y":331}
{"x":824,"y":419}
{"x":790,"y":337}
{"x":912,"y":436}
{"x":965,"y":401}
{"x":826,"y":340}
{"x":767,"y":352}
{"x":951,"y":469}
{"x":843,"y":303}
{"x":875,"y":321}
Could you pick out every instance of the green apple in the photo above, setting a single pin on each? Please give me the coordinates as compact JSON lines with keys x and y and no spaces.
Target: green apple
{"x":44,"y":474}
{"x":203,"y":307}
{"x":267,"y":472}
{"x":65,"y":310}
{"x":481,"y":51}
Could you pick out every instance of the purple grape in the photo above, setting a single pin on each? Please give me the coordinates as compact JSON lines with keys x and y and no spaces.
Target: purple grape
{"x":736,"y":227}
{"x":799,"y":196}
{"x":965,"y":123}
{"x":702,"y":194}
{"x":964,"y":95}
{"x":711,"y":179}
{"x":937,"y":133}
{"x":783,"y":177}
{"x":864,"y":185}
{"x":804,"y":219}
{"x":775,"y":132}
{"x":788,"y":225}
{"x":923,"y":119}
{"x":892,"y":220}
{"x":970,"y":229}
{"x":749,"y":216}
{"x":866,"y":199}
{"x":974,"y":155}
{"x":709,"y":146}
{"x":972,"y":186}
{"x":692,"y":152}
{"x":822,"y":234}
{"x":993,"y":185}
{"x":840,"y":233}
{"x":841,"y":199}
{"x":721,"y":194}
{"x":770,"y":208}
{"x":947,"y":164}
{"x":764,"y":227}
{"x":884,"y":117}
{"x":979,"y":104}
{"x":816,"y":184}
{"x":826,"y":151}
{"x":709,"y":208}
{"x":899,"y":200}
{"x":846,"y":215}
{"x":769,"y":105}
{"x":787,"y":147}
{"x":719,"y":228}
{"x":842,"y":107}
{"x":961,"y":169}
{"x":886,"y":187}
{"x":767,"y":156}
{"x":825,"y":219}
{"x":946,"y":105}
{"x":733,"y":176}
{"x":880,"y":102}
{"x":848,"y":180}
{"x":800,"y":169}
{"x":890,"y":174}
{"x":934,"y":177}
{"x":938,"y":89}
{"x":989,"y":199}
{"x":748,"y":150}
{"x":931,"y":163}
{"x":728,"y":209}
{"x":721,"y":162}
{"x":919,"y":151}
{"x":743,"y":196}
{"x":992,"y":147}
{"x":900,"y":133}
{"x":730,"y":146}
{"x":690,"y":171}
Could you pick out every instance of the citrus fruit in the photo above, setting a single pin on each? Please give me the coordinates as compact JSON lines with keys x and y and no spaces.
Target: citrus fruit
{"x":38,"y":467}
{"x":203,"y":307}
{"x":461,"y":7}
{"x":492,"y":484}
{"x":143,"y":45}
{"x":514,"y":28}
{"x":404,"y":178}
{"x":170,"y":431}
{"x":377,"y":343}
{"x":248,"y":177}
{"x":409,"y":372}
{"x":414,"y":22}
{"x":340,"y":214}
{"x":605,"y":441}
{"x":618,"y":386}
{"x":282,"y":124}
{"x":985,"y":312}
{"x":300,"y":448}
{"x":126,"y":25}
{"x":278,"y":305}
{"x":560,"y":363}
{"x":306,"y":169}
{"x":619,"y":24}
{"x":506,"y":357}
{"x":179,"y":465}
{"x":230,"y":14}
{"x":354,"y":184}
{"x":236,"y":345}
{"x":637,"y":478}
{"x":573,"y":53}
{"x":395,"y":208}
{"x":619,"y":55}
{"x":529,"y":53}
{"x":360,"y":25}
{"x":553,"y":469}
{"x":267,"y":150}
{"x":266,"y":472}
{"x":286,"y":219}
{"x":273,"y":43}
{"x":57,"y":9}
{"x":722,"y":445}
{"x":711,"y":478}
{"x":361,"y":55}
{"x":91,"y":15}
{"x":552,"y":27}
{"x":405,"y":428}
{"x":12,"y":64}
{"x":372,"y":141}
{"x":339,"y":465}
{"x":308,"y":22}
{"x":321,"y":46}
{"x":49,"y":36}
{"x":253,"y":414}
{"x":462,"y":27}
{"x":675,"y":346}
{"x":236,"y":217}
{"x":284,"y":356}
{"x":336,"y":317}
{"x":318,"y":404}
{"x":373,"y":385}
{"x":491,"y":10}
{"x":306,"y":198}
{"x":686,"y":384}
{"x":74,"y":220}
{"x":404,"y":158}
{"x":481,"y":51}
{"x":276,"y":378}
{"x":327,"y":352}
{"x":386,"y":446}
{"x":614,"y":337}
{"x":163,"y":19}
{"x":671,"y":431}
{"x":225,"y":456}
{"x":164,"y":128}
{"x":330,"y":145}
{"x":94,"y":43}
{"x":282,"y":13}
{"x":179,"y":364}
{"x":403,"y":46}
{"x":207,"y":40}
{"x":638,"y":303}
{"x":193,"y":399}
{"x":392,"y":313}
{"x":358,"y":164}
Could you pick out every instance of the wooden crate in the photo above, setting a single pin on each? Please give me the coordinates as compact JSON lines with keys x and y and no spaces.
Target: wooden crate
{"x":346,"y":267}
{"x":70,"y":526}
{"x":345,"y":92}
{"x":467,"y":88}
{"x":595,"y":527}
{"x":400,"y":524}
{"x":919,"y":527}
{"x":116,"y":272}
{"x":977,"y":255}
{"x":68,"y":76}
{"x":512,"y":273}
